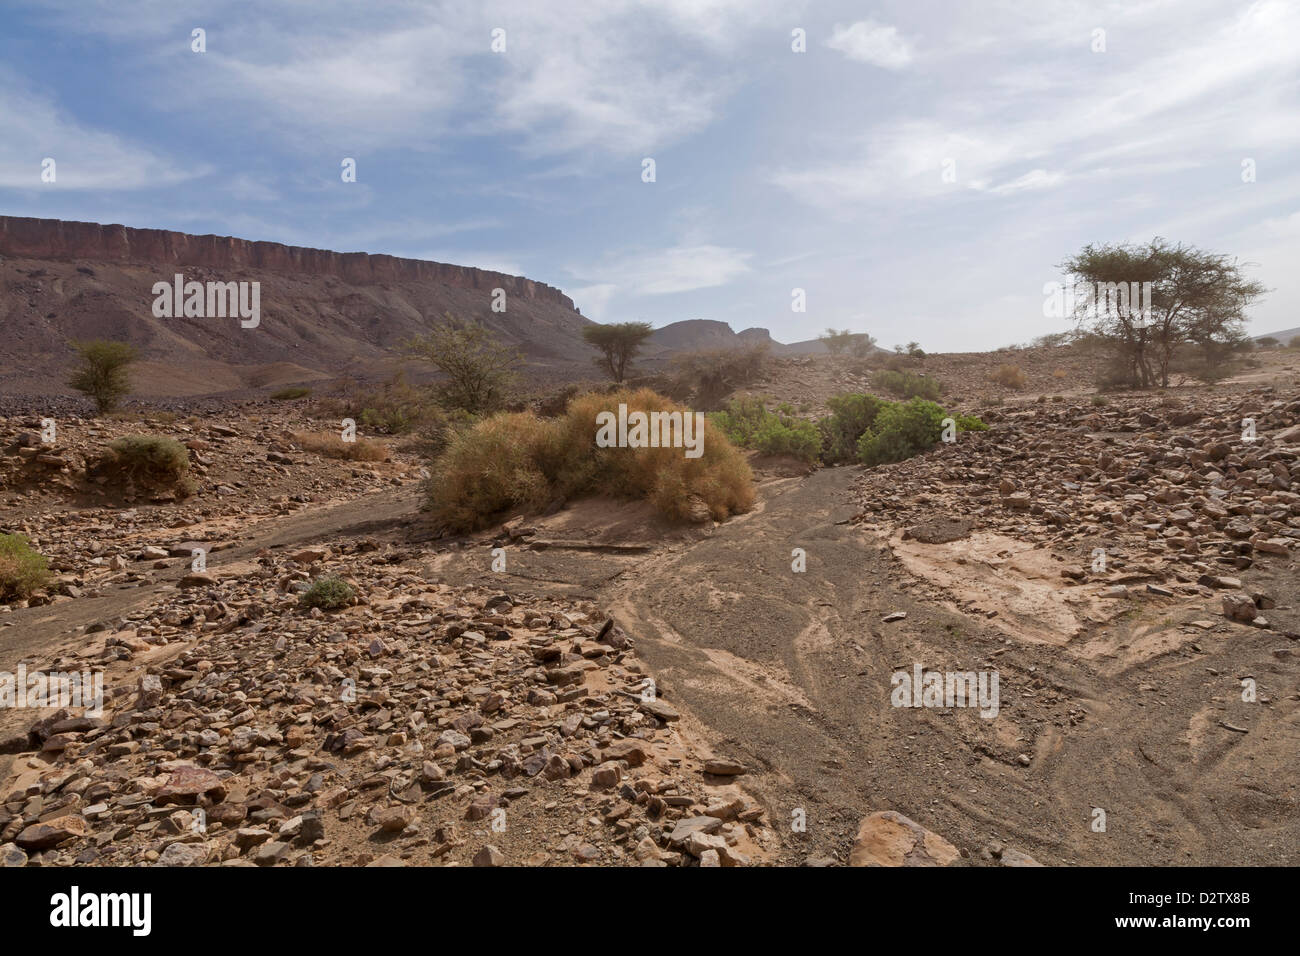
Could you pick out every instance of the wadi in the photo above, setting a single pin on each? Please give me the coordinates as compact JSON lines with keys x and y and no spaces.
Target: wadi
{"x":671,"y":436}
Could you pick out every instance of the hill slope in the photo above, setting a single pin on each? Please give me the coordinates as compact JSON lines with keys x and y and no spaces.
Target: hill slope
{"x":323,"y":313}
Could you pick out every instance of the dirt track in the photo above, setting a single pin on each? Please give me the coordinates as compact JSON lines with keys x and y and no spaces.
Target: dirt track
{"x":790,"y":672}
{"x":37,"y":630}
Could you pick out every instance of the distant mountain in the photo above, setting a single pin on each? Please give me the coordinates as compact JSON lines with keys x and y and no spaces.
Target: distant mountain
{"x":323,"y":314}
{"x":692,"y":335}
{"x":1284,"y":336}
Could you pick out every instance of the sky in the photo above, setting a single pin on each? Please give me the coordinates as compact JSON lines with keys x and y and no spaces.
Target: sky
{"x":919,"y":169}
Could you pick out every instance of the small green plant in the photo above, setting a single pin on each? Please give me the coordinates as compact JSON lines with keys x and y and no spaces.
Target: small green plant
{"x":969,"y":423}
{"x":748,"y":422}
{"x":288,"y":394}
{"x":329,"y":593}
{"x":23,"y":571}
{"x":907,"y":384}
{"x":1100,"y":401}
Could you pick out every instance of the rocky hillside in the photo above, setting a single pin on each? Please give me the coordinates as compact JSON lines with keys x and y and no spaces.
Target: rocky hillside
{"x":322,"y":313}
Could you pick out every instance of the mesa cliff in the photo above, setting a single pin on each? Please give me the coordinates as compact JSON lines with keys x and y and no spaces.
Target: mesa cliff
{"x":323,"y":314}
{"x":61,"y":240}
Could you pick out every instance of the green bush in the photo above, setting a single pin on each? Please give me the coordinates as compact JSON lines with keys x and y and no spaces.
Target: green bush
{"x":23,"y":571}
{"x":969,"y":423}
{"x":328,"y":593}
{"x":796,"y":437}
{"x":851,"y":415}
{"x":747,"y":422}
{"x":907,"y":384}
{"x":904,"y":429}
{"x":149,"y":460}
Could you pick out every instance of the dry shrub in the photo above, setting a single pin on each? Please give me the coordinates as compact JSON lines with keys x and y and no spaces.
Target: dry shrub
{"x":332,"y":445}
{"x":1059,"y":374}
{"x":496,"y":465}
{"x":520,"y":461}
{"x":720,"y":477}
{"x":1010,"y":376}
{"x":710,"y":375}
{"x":148,"y":461}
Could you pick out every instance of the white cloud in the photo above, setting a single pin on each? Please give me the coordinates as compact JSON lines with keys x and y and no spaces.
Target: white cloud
{"x":1034,"y":179}
{"x":594,"y":300}
{"x":84,"y":157}
{"x":663,"y":272}
{"x":869,"y":42}
{"x":1176,"y":100}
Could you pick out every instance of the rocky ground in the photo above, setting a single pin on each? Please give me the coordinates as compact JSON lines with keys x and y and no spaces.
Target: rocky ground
{"x":425,"y":725}
{"x":625,"y":693}
{"x":1155,"y":498}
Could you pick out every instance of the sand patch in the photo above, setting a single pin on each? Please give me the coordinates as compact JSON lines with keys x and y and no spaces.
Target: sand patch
{"x":988,"y":572}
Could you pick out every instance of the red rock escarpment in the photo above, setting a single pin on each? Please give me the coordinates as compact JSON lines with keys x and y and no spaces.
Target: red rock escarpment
{"x":22,"y":237}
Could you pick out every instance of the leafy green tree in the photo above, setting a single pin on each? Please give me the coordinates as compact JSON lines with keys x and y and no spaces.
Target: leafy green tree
{"x":618,"y":344}
{"x":102,"y":372}
{"x":1196,"y":297}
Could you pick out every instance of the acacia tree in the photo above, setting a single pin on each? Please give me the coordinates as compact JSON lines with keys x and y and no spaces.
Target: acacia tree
{"x":618,"y":344}
{"x":1196,"y":297}
{"x":102,"y":373}
{"x":479,"y":370}
{"x":836,"y":340}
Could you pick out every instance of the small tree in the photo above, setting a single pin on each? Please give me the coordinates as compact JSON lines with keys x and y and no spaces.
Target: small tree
{"x":1267,"y":342}
{"x":618,"y":345}
{"x":836,"y":340}
{"x":1196,"y":297}
{"x":102,"y":373}
{"x":863,"y":345}
{"x":480,"y":370}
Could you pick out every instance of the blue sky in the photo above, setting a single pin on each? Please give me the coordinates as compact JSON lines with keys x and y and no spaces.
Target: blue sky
{"x":775,"y":170}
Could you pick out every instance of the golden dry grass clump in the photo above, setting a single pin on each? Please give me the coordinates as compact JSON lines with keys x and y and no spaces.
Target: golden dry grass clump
{"x":332,"y":445}
{"x":1010,"y":376}
{"x":525,"y":462}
